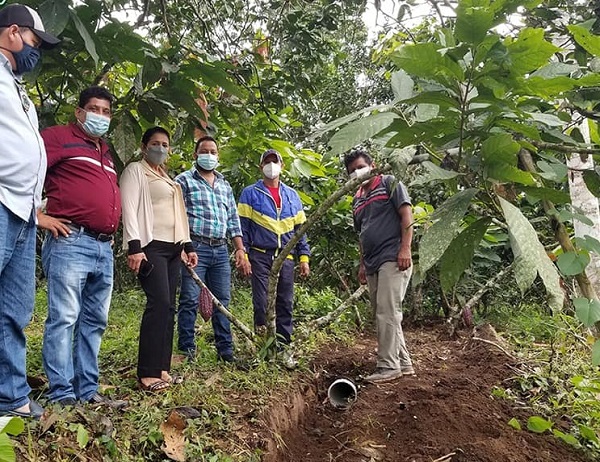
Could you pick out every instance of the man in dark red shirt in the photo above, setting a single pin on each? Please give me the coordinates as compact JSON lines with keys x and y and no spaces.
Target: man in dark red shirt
{"x":82,"y":214}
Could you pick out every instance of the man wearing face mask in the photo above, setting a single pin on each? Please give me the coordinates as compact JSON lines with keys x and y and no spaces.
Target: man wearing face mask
{"x":213,"y":218}
{"x":82,"y":214}
{"x":383,"y":217}
{"x":270,"y":213}
{"x":22,"y":170}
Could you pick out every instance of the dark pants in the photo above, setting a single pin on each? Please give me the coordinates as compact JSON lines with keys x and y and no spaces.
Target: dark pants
{"x":261,"y":266}
{"x":158,"y":321}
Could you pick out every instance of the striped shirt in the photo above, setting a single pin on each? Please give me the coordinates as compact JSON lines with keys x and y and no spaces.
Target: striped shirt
{"x":212,"y":211}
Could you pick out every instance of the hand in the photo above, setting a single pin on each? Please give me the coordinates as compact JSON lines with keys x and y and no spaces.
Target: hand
{"x":134,"y":261}
{"x":242,"y":264}
{"x":191,"y":259}
{"x":362,"y":274}
{"x":304,"y":269}
{"x":404,"y":259}
{"x":55,"y":225}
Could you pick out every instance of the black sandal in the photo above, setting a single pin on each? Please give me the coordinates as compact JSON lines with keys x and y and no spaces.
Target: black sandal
{"x":155,"y":387}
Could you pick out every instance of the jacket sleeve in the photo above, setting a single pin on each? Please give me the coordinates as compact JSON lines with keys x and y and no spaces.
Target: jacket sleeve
{"x":302,"y":247}
{"x":130,"y":202}
{"x":245,"y":214}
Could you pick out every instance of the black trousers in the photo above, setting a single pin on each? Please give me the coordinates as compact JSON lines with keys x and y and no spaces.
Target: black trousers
{"x":158,"y":321}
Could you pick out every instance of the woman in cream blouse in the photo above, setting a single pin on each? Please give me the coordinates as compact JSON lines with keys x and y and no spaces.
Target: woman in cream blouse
{"x":155,"y":231}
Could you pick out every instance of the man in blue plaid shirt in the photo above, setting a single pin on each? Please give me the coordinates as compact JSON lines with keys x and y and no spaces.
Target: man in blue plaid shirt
{"x":213,"y":218}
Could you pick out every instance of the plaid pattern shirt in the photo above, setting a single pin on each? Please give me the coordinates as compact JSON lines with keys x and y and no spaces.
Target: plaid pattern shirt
{"x":212,"y":211}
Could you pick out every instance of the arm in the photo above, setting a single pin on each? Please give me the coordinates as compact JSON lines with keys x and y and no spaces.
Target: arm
{"x":406,"y":233}
{"x":302,"y":248}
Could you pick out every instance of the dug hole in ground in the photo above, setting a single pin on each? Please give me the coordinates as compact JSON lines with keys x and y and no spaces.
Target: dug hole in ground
{"x":446,"y":413}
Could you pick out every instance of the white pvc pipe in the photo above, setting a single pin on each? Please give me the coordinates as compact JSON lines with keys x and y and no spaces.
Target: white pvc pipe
{"x":342,"y":393}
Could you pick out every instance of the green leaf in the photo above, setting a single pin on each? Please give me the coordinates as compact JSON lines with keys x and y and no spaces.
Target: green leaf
{"x":427,"y":61}
{"x":402,"y":85}
{"x":588,"y":433}
{"x":425,"y":112}
{"x":572,"y":263}
{"x":473,"y":23}
{"x":587,"y":311}
{"x":589,"y":243}
{"x":555,"y":69}
{"x":151,"y":71}
{"x":568,"y":215}
{"x":596,"y":354}
{"x":346,"y":119}
{"x":529,"y":51}
{"x":83,"y":437}
{"x":124,"y":136}
{"x":566,"y":437}
{"x":459,"y":255}
{"x":538,"y":424}
{"x":514,"y":423}
{"x":434,"y":173}
{"x":359,"y":131}
{"x":11,"y":425}
{"x":214,"y":75}
{"x":7,"y":451}
{"x":588,"y":41}
{"x":553,"y":195}
{"x":509,"y":173}
{"x":55,"y":15}
{"x":592,"y":181}
{"x":553,"y":171}
{"x":499,"y":155}
{"x":530,"y":255}
{"x":438,"y":237}
{"x":301,"y":168}
{"x":90,"y":46}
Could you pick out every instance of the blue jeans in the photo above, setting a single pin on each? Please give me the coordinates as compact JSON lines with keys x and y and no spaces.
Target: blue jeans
{"x":79,"y":270}
{"x":215,"y":271}
{"x":17,"y":290}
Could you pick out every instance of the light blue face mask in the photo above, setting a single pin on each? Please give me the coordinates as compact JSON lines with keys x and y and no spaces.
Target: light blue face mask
{"x":156,"y":154}
{"x":95,"y":125}
{"x":207,"y":161}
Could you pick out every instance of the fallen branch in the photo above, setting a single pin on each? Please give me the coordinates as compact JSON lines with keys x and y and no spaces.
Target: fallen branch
{"x":489,"y":342}
{"x":235,"y":321}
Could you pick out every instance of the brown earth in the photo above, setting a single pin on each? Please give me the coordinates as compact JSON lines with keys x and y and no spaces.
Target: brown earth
{"x":445,"y":414}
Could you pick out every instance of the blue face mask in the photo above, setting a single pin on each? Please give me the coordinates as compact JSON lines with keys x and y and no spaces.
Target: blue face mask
{"x":26,"y":59}
{"x":95,"y":125}
{"x":207,"y":161}
{"x":156,"y":154}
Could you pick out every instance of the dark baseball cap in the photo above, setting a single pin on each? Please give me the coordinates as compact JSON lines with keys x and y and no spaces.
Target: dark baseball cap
{"x":23,"y":16}
{"x":270,"y":152}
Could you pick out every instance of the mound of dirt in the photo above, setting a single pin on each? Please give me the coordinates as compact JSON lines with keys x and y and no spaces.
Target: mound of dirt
{"x":445,"y":413}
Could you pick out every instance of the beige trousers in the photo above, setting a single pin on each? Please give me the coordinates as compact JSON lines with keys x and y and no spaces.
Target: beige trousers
{"x":387,"y":288}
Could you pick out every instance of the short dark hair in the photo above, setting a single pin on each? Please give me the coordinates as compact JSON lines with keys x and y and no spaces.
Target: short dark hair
{"x":353,"y":155}
{"x":150,"y":133}
{"x":95,"y":91}
{"x":202,"y":140}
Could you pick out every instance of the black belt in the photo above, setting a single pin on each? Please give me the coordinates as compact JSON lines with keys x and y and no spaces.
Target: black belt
{"x":212,"y":241}
{"x":102,"y":237}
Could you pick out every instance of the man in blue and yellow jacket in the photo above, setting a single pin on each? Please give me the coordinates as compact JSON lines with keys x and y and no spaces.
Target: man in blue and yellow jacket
{"x":270,"y":212}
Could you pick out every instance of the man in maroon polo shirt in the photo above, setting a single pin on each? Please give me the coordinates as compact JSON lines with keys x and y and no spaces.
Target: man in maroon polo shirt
{"x":82,"y":214}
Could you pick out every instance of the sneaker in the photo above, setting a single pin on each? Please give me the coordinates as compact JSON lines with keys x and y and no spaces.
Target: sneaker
{"x":100,"y":400}
{"x":408,"y":370}
{"x":235,"y":362}
{"x":288,"y":361}
{"x":66,"y":402}
{"x":383,"y":374}
{"x":35,"y":411}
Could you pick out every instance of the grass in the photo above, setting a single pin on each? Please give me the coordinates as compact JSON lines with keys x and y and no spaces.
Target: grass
{"x":555,"y":376}
{"x":222,"y":396}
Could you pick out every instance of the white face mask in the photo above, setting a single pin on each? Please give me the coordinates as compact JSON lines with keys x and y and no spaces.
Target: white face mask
{"x":271,"y":170}
{"x":360,"y":172}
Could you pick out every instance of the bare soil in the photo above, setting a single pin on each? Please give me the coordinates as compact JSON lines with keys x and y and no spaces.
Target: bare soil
{"x":446,"y":413}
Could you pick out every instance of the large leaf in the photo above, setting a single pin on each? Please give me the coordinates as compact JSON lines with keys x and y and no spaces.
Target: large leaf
{"x":359,"y":131}
{"x":434,"y":173}
{"x":499,"y":155}
{"x":427,"y":61}
{"x":214,"y":74}
{"x":459,"y":255}
{"x":553,"y":195}
{"x":473,"y":22}
{"x":438,"y":237}
{"x":592,"y":181}
{"x":538,"y":424}
{"x":90,"y":46}
{"x":125,"y":137}
{"x":55,"y":15}
{"x":402,"y":85}
{"x":588,"y":311}
{"x":346,"y":119}
{"x":529,"y":51}
{"x":588,"y":41}
{"x":572,"y":263}
{"x":7,"y":451}
{"x":530,"y":255}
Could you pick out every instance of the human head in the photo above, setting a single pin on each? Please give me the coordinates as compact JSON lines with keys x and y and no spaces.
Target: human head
{"x":271,"y":164}
{"x":350,"y":160}
{"x":155,"y":145}
{"x":22,"y":33}
{"x":206,"y":153}
{"x":94,"y":110}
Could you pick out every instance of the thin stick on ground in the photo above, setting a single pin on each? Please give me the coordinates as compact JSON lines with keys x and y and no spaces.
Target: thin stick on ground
{"x":235,"y":321}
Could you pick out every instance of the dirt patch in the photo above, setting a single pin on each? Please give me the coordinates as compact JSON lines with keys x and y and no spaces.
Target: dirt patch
{"x":445,"y":413}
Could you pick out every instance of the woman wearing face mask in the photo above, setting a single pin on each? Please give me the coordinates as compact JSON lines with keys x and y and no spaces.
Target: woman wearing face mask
{"x":155,"y":231}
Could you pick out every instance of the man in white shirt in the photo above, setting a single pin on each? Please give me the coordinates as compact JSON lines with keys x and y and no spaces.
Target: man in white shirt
{"x":22,"y":171}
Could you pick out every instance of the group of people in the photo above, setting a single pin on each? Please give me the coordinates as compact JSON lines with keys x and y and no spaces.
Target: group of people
{"x":170,"y":226}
